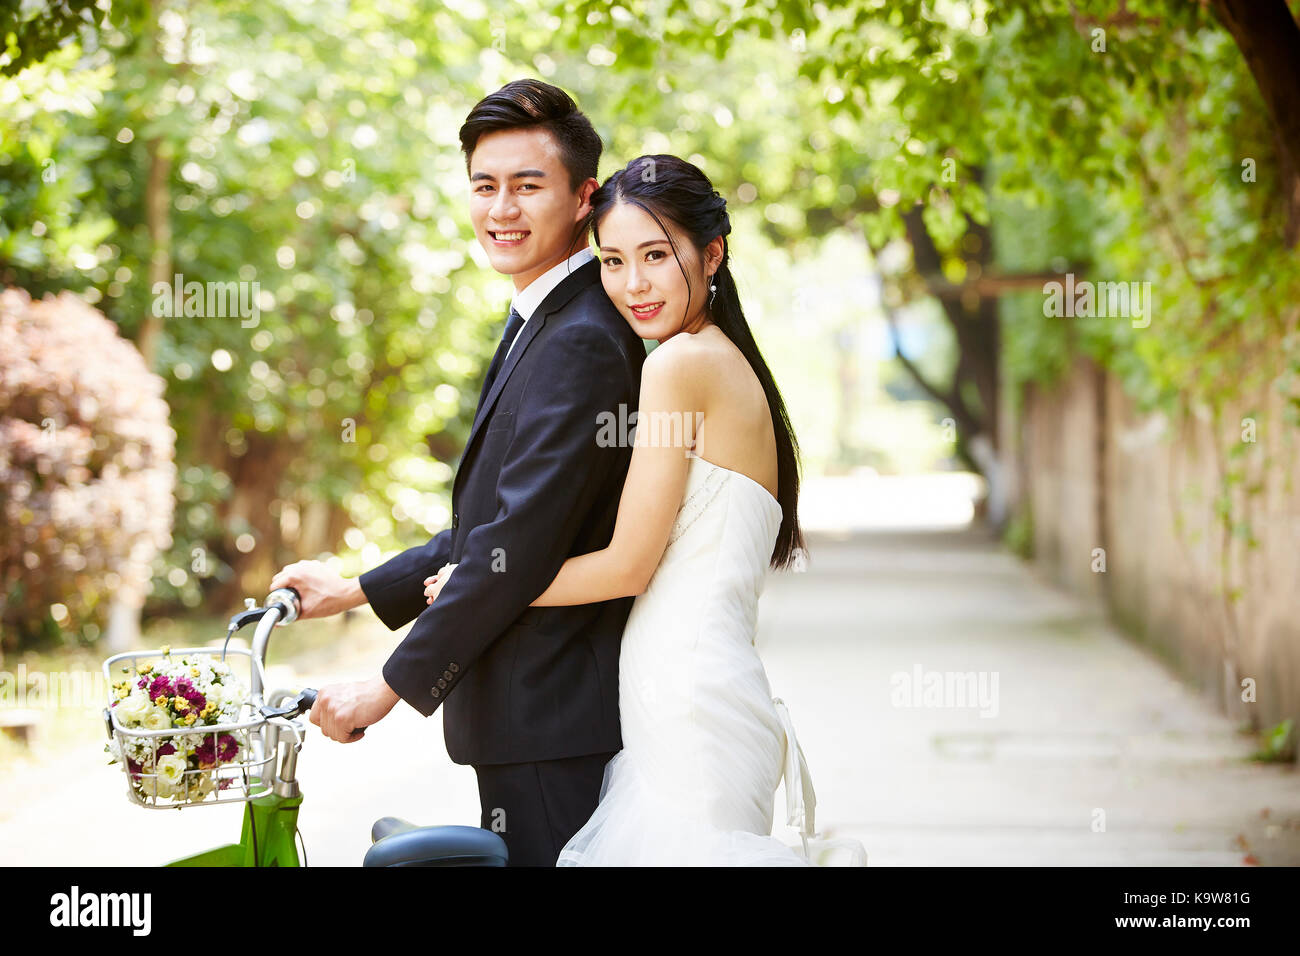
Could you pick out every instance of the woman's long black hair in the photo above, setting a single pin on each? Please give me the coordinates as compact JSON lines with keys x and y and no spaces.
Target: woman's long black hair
{"x":667,"y":187}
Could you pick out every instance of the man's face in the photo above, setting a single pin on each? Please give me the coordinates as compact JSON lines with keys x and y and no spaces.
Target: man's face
{"x":523,"y":209}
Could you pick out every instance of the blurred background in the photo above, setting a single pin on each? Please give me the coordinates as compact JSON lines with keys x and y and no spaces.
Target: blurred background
{"x":1026,"y":274}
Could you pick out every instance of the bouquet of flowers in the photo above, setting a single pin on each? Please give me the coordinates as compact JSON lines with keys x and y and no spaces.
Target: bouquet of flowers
{"x":183,"y":693}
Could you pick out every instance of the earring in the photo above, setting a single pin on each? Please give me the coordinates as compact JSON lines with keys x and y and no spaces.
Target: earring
{"x":713,"y":290}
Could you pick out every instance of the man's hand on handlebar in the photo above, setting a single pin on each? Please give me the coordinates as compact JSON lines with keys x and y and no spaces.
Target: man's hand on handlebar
{"x":323,"y":591}
{"x":343,"y":712}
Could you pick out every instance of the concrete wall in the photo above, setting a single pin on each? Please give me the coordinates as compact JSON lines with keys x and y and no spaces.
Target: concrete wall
{"x":1099,"y":474}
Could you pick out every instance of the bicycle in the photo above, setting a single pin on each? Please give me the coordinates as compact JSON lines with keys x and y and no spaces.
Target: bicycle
{"x":264,"y":774}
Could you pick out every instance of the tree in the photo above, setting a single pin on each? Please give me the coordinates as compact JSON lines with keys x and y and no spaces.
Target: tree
{"x":86,"y":467}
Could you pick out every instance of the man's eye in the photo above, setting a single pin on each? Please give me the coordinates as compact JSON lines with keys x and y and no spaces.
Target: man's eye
{"x":528,"y":186}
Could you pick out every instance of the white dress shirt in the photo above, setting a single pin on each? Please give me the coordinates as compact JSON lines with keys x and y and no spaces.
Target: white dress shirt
{"x":527,"y":301}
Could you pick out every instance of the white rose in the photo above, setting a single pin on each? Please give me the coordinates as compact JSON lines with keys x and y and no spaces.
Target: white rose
{"x":157,"y":719}
{"x":172,"y":769}
{"x":157,"y":787}
{"x":132,"y":710}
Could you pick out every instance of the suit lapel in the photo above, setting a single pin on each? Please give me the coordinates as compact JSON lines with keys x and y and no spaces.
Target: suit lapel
{"x":558,"y":297}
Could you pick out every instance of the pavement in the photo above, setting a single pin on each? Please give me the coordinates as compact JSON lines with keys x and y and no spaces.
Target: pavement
{"x":954,"y":710}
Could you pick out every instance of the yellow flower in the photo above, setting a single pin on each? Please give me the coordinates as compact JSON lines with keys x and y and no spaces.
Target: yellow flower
{"x":144,"y":668}
{"x":180,"y":703}
{"x":189,"y":719}
{"x":194,"y":672}
{"x":123,"y":691}
{"x":166,"y":650}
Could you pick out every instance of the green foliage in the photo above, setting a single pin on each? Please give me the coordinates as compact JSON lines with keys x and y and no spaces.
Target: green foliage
{"x":32,"y":30}
{"x":1018,"y":535}
{"x":311,"y":148}
{"x":1277,"y":745}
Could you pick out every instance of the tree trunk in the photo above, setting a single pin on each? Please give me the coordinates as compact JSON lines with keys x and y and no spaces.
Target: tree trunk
{"x":123,"y":630}
{"x":157,"y":207}
{"x":1269,"y":40}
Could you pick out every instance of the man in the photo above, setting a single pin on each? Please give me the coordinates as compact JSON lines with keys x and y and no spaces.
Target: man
{"x":530,"y":694}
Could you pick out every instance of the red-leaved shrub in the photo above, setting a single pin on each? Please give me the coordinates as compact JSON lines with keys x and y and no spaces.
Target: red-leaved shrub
{"x":86,"y":470}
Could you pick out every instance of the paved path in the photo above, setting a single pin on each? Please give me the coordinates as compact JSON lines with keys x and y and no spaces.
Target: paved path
{"x":1089,"y":752}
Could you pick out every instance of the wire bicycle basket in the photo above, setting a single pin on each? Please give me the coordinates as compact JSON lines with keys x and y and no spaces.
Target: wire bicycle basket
{"x":201,"y":764}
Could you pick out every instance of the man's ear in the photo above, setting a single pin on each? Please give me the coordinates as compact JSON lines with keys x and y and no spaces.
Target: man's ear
{"x":584,"y":194}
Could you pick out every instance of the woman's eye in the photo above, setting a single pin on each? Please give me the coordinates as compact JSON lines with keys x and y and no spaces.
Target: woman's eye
{"x":654,"y":252}
{"x":611,"y":261}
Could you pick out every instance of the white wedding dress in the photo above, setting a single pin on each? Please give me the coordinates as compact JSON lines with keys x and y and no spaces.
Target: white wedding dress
{"x":705,"y":745}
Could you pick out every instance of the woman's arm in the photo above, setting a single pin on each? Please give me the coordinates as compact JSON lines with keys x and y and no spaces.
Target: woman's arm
{"x":652,"y":492}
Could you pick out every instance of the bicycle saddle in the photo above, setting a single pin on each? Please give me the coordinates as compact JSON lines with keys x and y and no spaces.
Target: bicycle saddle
{"x":399,"y":843}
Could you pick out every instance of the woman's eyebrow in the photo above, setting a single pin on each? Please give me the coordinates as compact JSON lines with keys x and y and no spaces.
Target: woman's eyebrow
{"x":652,"y":242}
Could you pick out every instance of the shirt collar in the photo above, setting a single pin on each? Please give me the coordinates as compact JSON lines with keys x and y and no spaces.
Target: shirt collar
{"x":527,"y":301}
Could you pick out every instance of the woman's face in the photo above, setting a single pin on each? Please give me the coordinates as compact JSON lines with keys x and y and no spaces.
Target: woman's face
{"x":643,"y":278}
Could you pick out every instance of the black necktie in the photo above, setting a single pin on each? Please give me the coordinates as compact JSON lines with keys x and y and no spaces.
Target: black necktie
{"x":515,"y":322}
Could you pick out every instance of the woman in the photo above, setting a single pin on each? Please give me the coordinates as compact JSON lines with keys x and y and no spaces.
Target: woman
{"x":710,"y":501}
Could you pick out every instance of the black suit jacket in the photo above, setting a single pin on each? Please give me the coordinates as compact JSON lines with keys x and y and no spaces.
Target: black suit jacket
{"x":536,"y":484}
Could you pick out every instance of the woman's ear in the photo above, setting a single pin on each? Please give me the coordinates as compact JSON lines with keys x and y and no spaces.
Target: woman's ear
{"x":713,"y":254}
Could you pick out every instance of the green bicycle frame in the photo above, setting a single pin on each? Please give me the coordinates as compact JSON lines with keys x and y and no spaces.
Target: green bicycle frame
{"x":270,"y":823}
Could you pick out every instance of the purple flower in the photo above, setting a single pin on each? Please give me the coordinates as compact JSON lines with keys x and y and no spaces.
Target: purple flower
{"x":165,"y":750}
{"x":229,"y":747}
{"x":185,"y":688}
{"x":226,"y":748}
{"x":161,"y":686}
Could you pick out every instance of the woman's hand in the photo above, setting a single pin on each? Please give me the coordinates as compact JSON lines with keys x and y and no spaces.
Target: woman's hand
{"x":433,"y":585}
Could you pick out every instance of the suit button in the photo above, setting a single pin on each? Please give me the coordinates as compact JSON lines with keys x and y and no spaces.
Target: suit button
{"x":453,"y":667}
{"x":455,"y":520}
{"x":446,"y":675}
{"x":435,"y":692}
{"x":442,"y":683}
